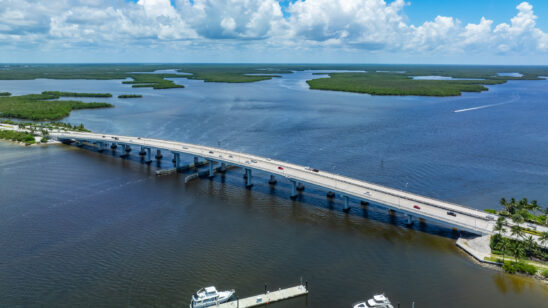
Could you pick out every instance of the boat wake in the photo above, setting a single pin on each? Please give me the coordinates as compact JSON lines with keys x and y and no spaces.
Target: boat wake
{"x":514,"y":98}
{"x":479,"y":107}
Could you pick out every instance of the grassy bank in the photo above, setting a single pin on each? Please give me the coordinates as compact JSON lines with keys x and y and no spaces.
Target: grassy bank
{"x":74,"y":94}
{"x":42,"y":107}
{"x":5,"y":93}
{"x":130,"y":96}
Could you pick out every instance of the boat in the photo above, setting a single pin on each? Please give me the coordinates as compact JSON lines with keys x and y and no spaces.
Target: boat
{"x":209,"y":296}
{"x":378,"y":301}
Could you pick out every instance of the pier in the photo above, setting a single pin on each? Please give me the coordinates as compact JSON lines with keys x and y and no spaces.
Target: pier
{"x":266,"y":298}
{"x":352,"y":192}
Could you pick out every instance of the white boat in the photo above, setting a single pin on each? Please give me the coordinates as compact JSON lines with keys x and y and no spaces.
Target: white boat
{"x":378,"y":301}
{"x":209,"y":296}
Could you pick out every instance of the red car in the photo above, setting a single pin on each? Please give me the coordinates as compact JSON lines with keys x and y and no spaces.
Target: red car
{"x":416,"y":207}
{"x":281,"y":168}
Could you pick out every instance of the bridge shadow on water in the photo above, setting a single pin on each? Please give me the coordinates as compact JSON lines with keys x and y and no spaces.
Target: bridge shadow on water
{"x":234,"y":179}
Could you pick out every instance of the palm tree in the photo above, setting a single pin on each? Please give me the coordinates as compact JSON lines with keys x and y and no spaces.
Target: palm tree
{"x":530,"y":245}
{"x":517,"y":230}
{"x":499,"y":225}
{"x":518,"y":218}
{"x":534,"y":207}
{"x":503,"y":245}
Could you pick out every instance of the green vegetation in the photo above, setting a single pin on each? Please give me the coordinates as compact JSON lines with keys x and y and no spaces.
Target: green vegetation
{"x":24,"y":137}
{"x":155,"y":81}
{"x":387,"y":82}
{"x":520,"y":267}
{"x":130,"y":96}
{"x":40,"y":107}
{"x":74,"y":94}
{"x":524,"y":245}
{"x":518,"y":249}
{"x":522,"y":211}
{"x":5,"y":93}
{"x":544,"y":273}
{"x":398,"y":84}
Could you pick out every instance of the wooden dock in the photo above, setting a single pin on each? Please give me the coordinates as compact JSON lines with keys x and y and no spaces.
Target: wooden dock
{"x":266,"y":298}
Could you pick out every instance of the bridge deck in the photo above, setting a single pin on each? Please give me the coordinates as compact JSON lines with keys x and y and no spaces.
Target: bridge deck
{"x":465,"y":218}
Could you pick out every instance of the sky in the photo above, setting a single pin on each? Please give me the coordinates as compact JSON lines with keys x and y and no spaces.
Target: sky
{"x":270,"y":31}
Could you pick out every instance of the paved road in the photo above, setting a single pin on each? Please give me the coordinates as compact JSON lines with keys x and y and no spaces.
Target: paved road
{"x":465,"y":218}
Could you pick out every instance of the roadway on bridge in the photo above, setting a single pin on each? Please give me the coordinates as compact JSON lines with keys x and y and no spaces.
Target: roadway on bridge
{"x":465,"y":218}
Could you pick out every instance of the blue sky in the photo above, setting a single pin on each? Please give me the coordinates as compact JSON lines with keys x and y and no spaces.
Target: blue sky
{"x":328,"y":31}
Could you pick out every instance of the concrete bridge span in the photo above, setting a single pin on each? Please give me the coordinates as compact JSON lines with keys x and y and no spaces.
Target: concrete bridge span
{"x":414,"y":206}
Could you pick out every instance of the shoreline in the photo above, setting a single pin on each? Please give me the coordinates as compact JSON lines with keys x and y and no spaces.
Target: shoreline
{"x":476,"y":249}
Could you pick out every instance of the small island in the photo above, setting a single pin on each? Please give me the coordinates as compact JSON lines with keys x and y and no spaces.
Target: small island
{"x":130,"y":96}
{"x":46,"y":106}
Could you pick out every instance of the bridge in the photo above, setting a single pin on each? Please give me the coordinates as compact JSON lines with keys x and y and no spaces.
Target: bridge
{"x":413,"y":206}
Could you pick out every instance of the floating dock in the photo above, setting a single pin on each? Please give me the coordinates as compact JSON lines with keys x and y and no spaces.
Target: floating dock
{"x":266,"y":298}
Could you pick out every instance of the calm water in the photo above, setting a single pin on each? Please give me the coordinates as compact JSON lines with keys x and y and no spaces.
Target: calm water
{"x":79,"y":228}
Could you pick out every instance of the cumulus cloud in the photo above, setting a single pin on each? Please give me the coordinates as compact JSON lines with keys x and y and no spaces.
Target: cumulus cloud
{"x":361,"y":25}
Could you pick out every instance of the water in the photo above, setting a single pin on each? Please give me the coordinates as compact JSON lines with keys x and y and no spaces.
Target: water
{"x":442,"y":78}
{"x":81,"y":228}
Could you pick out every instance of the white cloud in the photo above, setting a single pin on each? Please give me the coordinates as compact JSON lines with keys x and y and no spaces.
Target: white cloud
{"x":368,"y":26}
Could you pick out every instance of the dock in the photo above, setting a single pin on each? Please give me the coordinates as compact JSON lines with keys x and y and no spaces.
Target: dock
{"x":266,"y":298}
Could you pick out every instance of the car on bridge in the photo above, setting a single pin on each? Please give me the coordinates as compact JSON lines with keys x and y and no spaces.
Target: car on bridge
{"x":451,"y":213}
{"x":416,"y":207}
{"x":280,"y":167}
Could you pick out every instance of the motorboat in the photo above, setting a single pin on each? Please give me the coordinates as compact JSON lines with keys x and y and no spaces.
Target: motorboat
{"x":209,"y":296}
{"x":378,"y":301}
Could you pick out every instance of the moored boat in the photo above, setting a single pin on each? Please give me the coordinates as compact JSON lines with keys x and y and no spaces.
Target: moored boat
{"x":378,"y":301}
{"x":209,"y":296}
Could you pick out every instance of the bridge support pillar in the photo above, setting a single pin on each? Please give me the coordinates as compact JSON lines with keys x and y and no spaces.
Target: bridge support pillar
{"x":196,"y":161}
{"x":177,"y":160}
{"x":409,"y":219}
{"x":158,"y":154}
{"x":248,"y":182}
{"x":148,"y":155}
{"x":293,"y":189}
{"x":113,"y":146}
{"x":330,"y":195}
{"x":211,"y":171}
{"x":300,"y":187}
{"x":100,"y":147}
{"x":142,"y":152}
{"x":124,"y":150}
{"x":272,"y":180}
{"x":223,"y":168}
{"x":346,"y":207}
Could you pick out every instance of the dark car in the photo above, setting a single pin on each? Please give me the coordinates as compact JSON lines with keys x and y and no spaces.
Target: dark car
{"x":210,"y":152}
{"x":451,"y":214}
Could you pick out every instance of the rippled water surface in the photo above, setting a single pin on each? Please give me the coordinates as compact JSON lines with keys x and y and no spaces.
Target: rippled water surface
{"x":80,"y":228}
